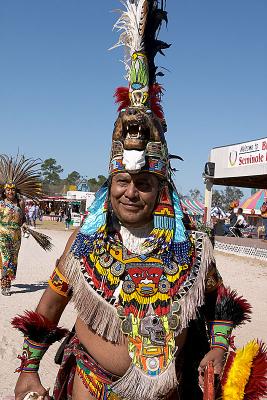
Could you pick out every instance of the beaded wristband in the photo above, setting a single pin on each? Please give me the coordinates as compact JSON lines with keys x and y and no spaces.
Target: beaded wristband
{"x":220,"y":332}
{"x":32,"y":354}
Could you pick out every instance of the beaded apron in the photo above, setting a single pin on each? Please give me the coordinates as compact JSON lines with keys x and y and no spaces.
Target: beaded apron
{"x":119,"y":293}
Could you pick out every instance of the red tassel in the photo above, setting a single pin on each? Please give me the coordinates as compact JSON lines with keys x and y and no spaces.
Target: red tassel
{"x":256,"y":387}
{"x":23,"y":322}
{"x":209,"y":393}
{"x":38,"y":328}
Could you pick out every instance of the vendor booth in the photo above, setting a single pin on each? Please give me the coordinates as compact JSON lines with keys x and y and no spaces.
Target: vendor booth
{"x":251,"y":208}
{"x":241,"y":165}
{"x":192,"y":207}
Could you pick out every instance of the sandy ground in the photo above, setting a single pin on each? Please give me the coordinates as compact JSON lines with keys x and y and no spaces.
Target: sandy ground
{"x":248,"y":276}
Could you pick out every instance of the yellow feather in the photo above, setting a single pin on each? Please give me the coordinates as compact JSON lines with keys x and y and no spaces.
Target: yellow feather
{"x":239,"y":372}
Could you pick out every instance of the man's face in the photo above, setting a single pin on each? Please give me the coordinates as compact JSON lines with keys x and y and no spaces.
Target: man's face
{"x":133,"y":197}
{"x":10,"y":193}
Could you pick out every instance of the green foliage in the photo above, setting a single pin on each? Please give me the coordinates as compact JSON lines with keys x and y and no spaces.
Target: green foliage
{"x":94,"y":184}
{"x":50,"y":172}
{"x":73,"y":178}
{"x":195,"y":194}
{"x":223,"y":198}
{"x":204,"y":228}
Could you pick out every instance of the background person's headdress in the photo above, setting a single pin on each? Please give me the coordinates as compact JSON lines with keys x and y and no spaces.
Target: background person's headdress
{"x":21,"y":174}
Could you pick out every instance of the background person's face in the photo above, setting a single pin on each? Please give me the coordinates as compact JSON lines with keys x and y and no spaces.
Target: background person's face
{"x":133,"y":197}
{"x":10,"y":193}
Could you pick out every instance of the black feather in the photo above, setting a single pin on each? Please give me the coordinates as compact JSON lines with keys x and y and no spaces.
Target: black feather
{"x":156,"y":16}
{"x":43,"y":240}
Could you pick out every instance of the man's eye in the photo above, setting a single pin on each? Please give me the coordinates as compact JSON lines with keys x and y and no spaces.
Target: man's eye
{"x":143,"y":185}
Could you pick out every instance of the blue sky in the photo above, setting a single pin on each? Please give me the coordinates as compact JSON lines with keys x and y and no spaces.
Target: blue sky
{"x":58,"y":77}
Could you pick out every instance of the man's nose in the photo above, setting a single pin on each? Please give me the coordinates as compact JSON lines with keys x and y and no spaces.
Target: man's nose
{"x":131,"y":191}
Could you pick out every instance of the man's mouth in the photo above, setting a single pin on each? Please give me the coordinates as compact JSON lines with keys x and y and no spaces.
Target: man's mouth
{"x":131,"y":206}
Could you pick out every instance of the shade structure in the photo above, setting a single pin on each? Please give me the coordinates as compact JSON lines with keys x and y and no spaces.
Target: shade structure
{"x":255,"y":201}
{"x":192,"y":207}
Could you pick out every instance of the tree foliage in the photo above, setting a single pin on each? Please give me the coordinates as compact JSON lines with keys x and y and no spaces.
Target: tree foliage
{"x":73,"y":178}
{"x":196,"y":194}
{"x":50,"y":171}
{"x":223,"y":198}
{"x":95,"y":183}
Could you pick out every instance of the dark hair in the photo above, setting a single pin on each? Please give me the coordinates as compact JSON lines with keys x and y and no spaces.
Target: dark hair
{"x":240,"y":210}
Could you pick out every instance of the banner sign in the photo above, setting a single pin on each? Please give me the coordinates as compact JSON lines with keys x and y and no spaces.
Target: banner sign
{"x":250,"y":153}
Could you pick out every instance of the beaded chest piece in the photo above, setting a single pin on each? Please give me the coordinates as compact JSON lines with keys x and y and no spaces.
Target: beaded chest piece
{"x":147,"y":297}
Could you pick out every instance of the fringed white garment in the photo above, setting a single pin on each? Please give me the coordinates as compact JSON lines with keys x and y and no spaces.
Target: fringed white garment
{"x":135,"y":385}
{"x":194,"y":297}
{"x":93,"y":310}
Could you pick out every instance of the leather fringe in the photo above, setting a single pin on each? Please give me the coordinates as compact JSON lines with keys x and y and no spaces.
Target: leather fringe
{"x":95,"y":311}
{"x":191,"y":294}
{"x":136,"y":385}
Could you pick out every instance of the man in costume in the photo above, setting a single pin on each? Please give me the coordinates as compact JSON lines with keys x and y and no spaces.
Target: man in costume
{"x":144,"y":288}
{"x":18,"y":177}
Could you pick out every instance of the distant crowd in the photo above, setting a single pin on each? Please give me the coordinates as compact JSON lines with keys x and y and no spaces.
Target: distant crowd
{"x":34,"y":212}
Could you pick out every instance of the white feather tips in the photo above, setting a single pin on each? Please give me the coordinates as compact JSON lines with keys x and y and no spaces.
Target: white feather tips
{"x":131,"y":24}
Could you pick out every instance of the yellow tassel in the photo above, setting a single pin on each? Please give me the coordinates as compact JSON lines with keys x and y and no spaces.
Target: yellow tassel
{"x":239,"y":372}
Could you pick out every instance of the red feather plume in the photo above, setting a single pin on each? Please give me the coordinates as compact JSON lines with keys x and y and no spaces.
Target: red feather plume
{"x":155,"y":94}
{"x":122,"y":97}
{"x":38,"y":328}
{"x":256,"y":387}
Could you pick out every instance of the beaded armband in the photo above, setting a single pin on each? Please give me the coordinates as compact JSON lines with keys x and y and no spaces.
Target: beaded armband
{"x":220,"y":333}
{"x":32,"y":354}
{"x":59,"y":284}
{"x":39,"y":333}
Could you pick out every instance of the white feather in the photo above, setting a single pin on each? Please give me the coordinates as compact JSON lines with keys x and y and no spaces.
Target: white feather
{"x":129,"y":24}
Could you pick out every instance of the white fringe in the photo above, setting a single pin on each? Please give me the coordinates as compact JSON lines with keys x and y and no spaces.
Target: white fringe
{"x":195,"y":295}
{"x":95,"y":311}
{"x":135,"y":385}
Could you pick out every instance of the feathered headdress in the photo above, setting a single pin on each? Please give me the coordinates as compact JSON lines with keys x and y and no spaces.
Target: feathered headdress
{"x":22,"y":174}
{"x":138,"y":141}
{"x":140,"y":23}
{"x":138,"y":137}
